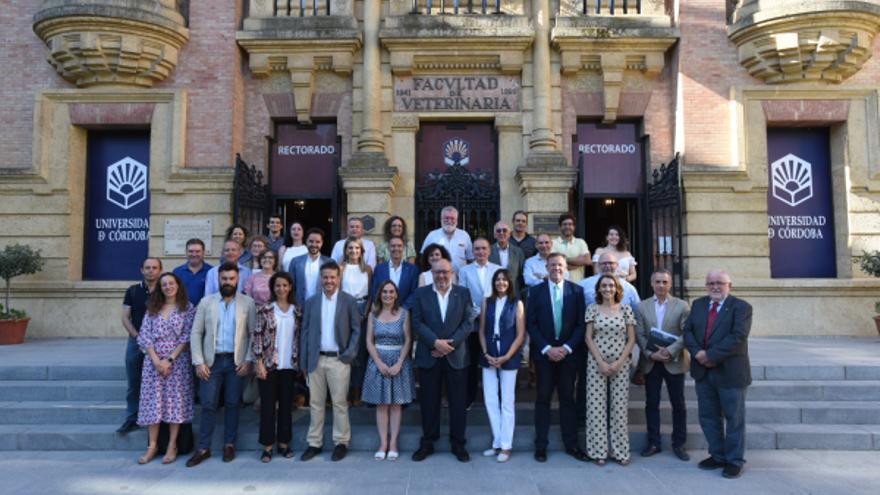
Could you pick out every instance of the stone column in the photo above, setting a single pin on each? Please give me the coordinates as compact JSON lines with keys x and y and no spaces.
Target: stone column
{"x":368,"y":180}
{"x":546,"y":178}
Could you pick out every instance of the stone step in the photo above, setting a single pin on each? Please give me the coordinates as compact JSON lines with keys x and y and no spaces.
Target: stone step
{"x":759,"y":372}
{"x":788,"y":390}
{"x":364,"y":438}
{"x":758,"y":412}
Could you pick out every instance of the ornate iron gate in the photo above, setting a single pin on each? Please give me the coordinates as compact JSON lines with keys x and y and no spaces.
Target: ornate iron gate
{"x":665,"y":202}
{"x":474,"y":194}
{"x":250,"y":197}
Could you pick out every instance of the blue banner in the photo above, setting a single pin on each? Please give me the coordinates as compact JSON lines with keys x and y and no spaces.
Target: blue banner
{"x":800,"y":209}
{"x":117,"y":233}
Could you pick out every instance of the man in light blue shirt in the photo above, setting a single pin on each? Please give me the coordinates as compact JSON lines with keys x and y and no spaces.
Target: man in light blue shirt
{"x":608,"y":266}
{"x":231,"y":253}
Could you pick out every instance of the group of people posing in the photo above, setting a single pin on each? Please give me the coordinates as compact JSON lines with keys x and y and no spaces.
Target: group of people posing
{"x":366,"y":323}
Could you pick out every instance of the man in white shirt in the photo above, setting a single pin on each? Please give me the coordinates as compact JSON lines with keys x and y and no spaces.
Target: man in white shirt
{"x":305,"y":269}
{"x":328,"y":344}
{"x":355,"y":231}
{"x":477,"y":278}
{"x":455,"y":240}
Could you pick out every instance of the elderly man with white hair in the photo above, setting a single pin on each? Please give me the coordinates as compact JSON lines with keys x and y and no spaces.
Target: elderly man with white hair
{"x":716,"y":334}
{"x":455,"y":240}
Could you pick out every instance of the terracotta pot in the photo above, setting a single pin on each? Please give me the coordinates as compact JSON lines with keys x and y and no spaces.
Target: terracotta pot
{"x":877,"y":323}
{"x":12,"y":331}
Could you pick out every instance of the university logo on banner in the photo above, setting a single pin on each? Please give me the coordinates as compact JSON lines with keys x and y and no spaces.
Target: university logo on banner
{"x":127,"y":183}
{"x":792,"y":180}
{"x":456,"y":150}
{"x":800,"y":214}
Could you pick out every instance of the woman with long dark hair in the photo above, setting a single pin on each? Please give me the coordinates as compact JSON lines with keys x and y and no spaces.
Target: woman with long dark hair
{"x":432,"y":253}
{"x":395,"y":226}
{"x":275,"y":345}
{"x":617,"y":242}
{"x":294,"y":245}
{"x":502,"y":333}
{"x":166,"y":380}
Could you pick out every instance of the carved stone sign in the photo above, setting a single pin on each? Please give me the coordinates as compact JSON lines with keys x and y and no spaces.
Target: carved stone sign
{"x":456,"y":93}
{"x":180,"y":230}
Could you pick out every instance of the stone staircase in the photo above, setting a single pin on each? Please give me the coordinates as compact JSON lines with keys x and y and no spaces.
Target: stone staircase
{"x":78,"y":407}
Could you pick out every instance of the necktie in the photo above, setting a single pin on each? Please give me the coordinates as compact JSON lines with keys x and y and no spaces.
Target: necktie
{"x":710,"y":321}
{"x":557,"y":310}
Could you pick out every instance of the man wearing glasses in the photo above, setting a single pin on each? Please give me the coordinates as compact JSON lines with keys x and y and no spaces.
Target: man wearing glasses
{"x":506,"y":255}
{"x":442,"y":315}
{"x":716,"y":334}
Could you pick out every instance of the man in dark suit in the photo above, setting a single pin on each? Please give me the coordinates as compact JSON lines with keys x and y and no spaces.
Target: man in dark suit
{"x":555,"y":322}
{"x":716,"y":334}
{"x":404,"y":275}
{"x":331,"y":329}
{"x":441,"y":318}
{"x":306,"y":269}
{"x":506,"y":255}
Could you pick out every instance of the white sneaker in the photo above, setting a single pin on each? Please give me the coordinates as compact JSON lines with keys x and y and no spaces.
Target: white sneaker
{"x":503,"y":457}
{"x":490,"y":452}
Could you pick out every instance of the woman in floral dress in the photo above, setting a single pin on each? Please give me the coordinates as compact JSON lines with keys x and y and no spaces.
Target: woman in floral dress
{"x":166,"y":380}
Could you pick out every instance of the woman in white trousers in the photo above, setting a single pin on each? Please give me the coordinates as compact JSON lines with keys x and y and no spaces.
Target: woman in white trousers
{"x":502,"y":333}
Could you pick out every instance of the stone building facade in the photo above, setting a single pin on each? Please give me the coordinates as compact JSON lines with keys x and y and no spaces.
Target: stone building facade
{"x":581,"y":101}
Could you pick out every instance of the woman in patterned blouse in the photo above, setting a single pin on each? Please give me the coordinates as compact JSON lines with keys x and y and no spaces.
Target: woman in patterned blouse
{"x":275,"y":346}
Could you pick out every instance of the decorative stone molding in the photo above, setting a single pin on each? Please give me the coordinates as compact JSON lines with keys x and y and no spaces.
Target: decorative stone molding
{"x":423,"y":44}
{"x":301,"y":46}
{"x":613,"y":47}
{"x":112,"y":43}
{"x":787,"y":41}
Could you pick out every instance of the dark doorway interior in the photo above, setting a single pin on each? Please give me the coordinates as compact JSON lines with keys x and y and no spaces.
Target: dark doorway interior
{"x":601,"y":213}
{"x":312,"y":213}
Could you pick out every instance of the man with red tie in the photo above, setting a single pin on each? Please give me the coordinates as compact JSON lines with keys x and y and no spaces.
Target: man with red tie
{"x":716,"y":334}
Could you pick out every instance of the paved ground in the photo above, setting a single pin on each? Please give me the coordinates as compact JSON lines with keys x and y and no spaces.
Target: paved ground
{"x":767,"y":472}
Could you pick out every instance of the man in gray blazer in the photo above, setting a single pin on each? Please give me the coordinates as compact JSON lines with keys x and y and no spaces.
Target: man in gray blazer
{"x":305,"y":269}
{"x":442,"y":315}
{"x":506,"y":255}
{"x":661,"y":362}
{"x":328,"y":344}
{"x":717,"y":335}
{"x":221,"y":353}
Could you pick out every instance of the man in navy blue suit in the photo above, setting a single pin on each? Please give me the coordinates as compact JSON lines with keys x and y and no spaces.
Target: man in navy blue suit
{"x":555,"y":322}
{"x":404,"y":275}
{"x":442,"y":315}
{"x":716,"y":334}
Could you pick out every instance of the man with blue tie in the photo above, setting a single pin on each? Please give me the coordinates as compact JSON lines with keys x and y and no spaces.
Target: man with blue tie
{"x":404,"y":275}
{"x":716,"y":334}
{"x":306,"y":269}
{"x":555,"y":323}
{"x":476,"y":277}
{"x":442,"y":315}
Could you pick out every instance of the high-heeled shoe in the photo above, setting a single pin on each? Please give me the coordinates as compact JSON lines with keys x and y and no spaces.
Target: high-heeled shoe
{"x":148,"y":455}
{"x":170,"y":456}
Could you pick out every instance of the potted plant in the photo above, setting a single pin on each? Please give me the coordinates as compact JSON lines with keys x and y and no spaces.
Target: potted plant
{"x":870,"y":264}
{"x":16,"y":260}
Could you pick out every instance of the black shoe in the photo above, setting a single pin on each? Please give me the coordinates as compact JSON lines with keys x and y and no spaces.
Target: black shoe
{"x":198,"y":457}
{"x":650,"y":450}
{"x":732,"y":471}
{"x":681,"y":453}
{"x":578,"y":454}
{"x":339,"y":453}
{"x":285,"y":452}
{"x":711,"y":463}
{"x":541,"y":455}
{"x":127,"y":427}
{"x":266,"y":456}
{"x":461,"y":454}
{"x":423,"y":453}
{"x":309,"y":453}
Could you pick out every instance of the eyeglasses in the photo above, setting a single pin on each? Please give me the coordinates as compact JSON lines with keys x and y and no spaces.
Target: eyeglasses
{"x":502,"y":230}
{"x":716,"y":284}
